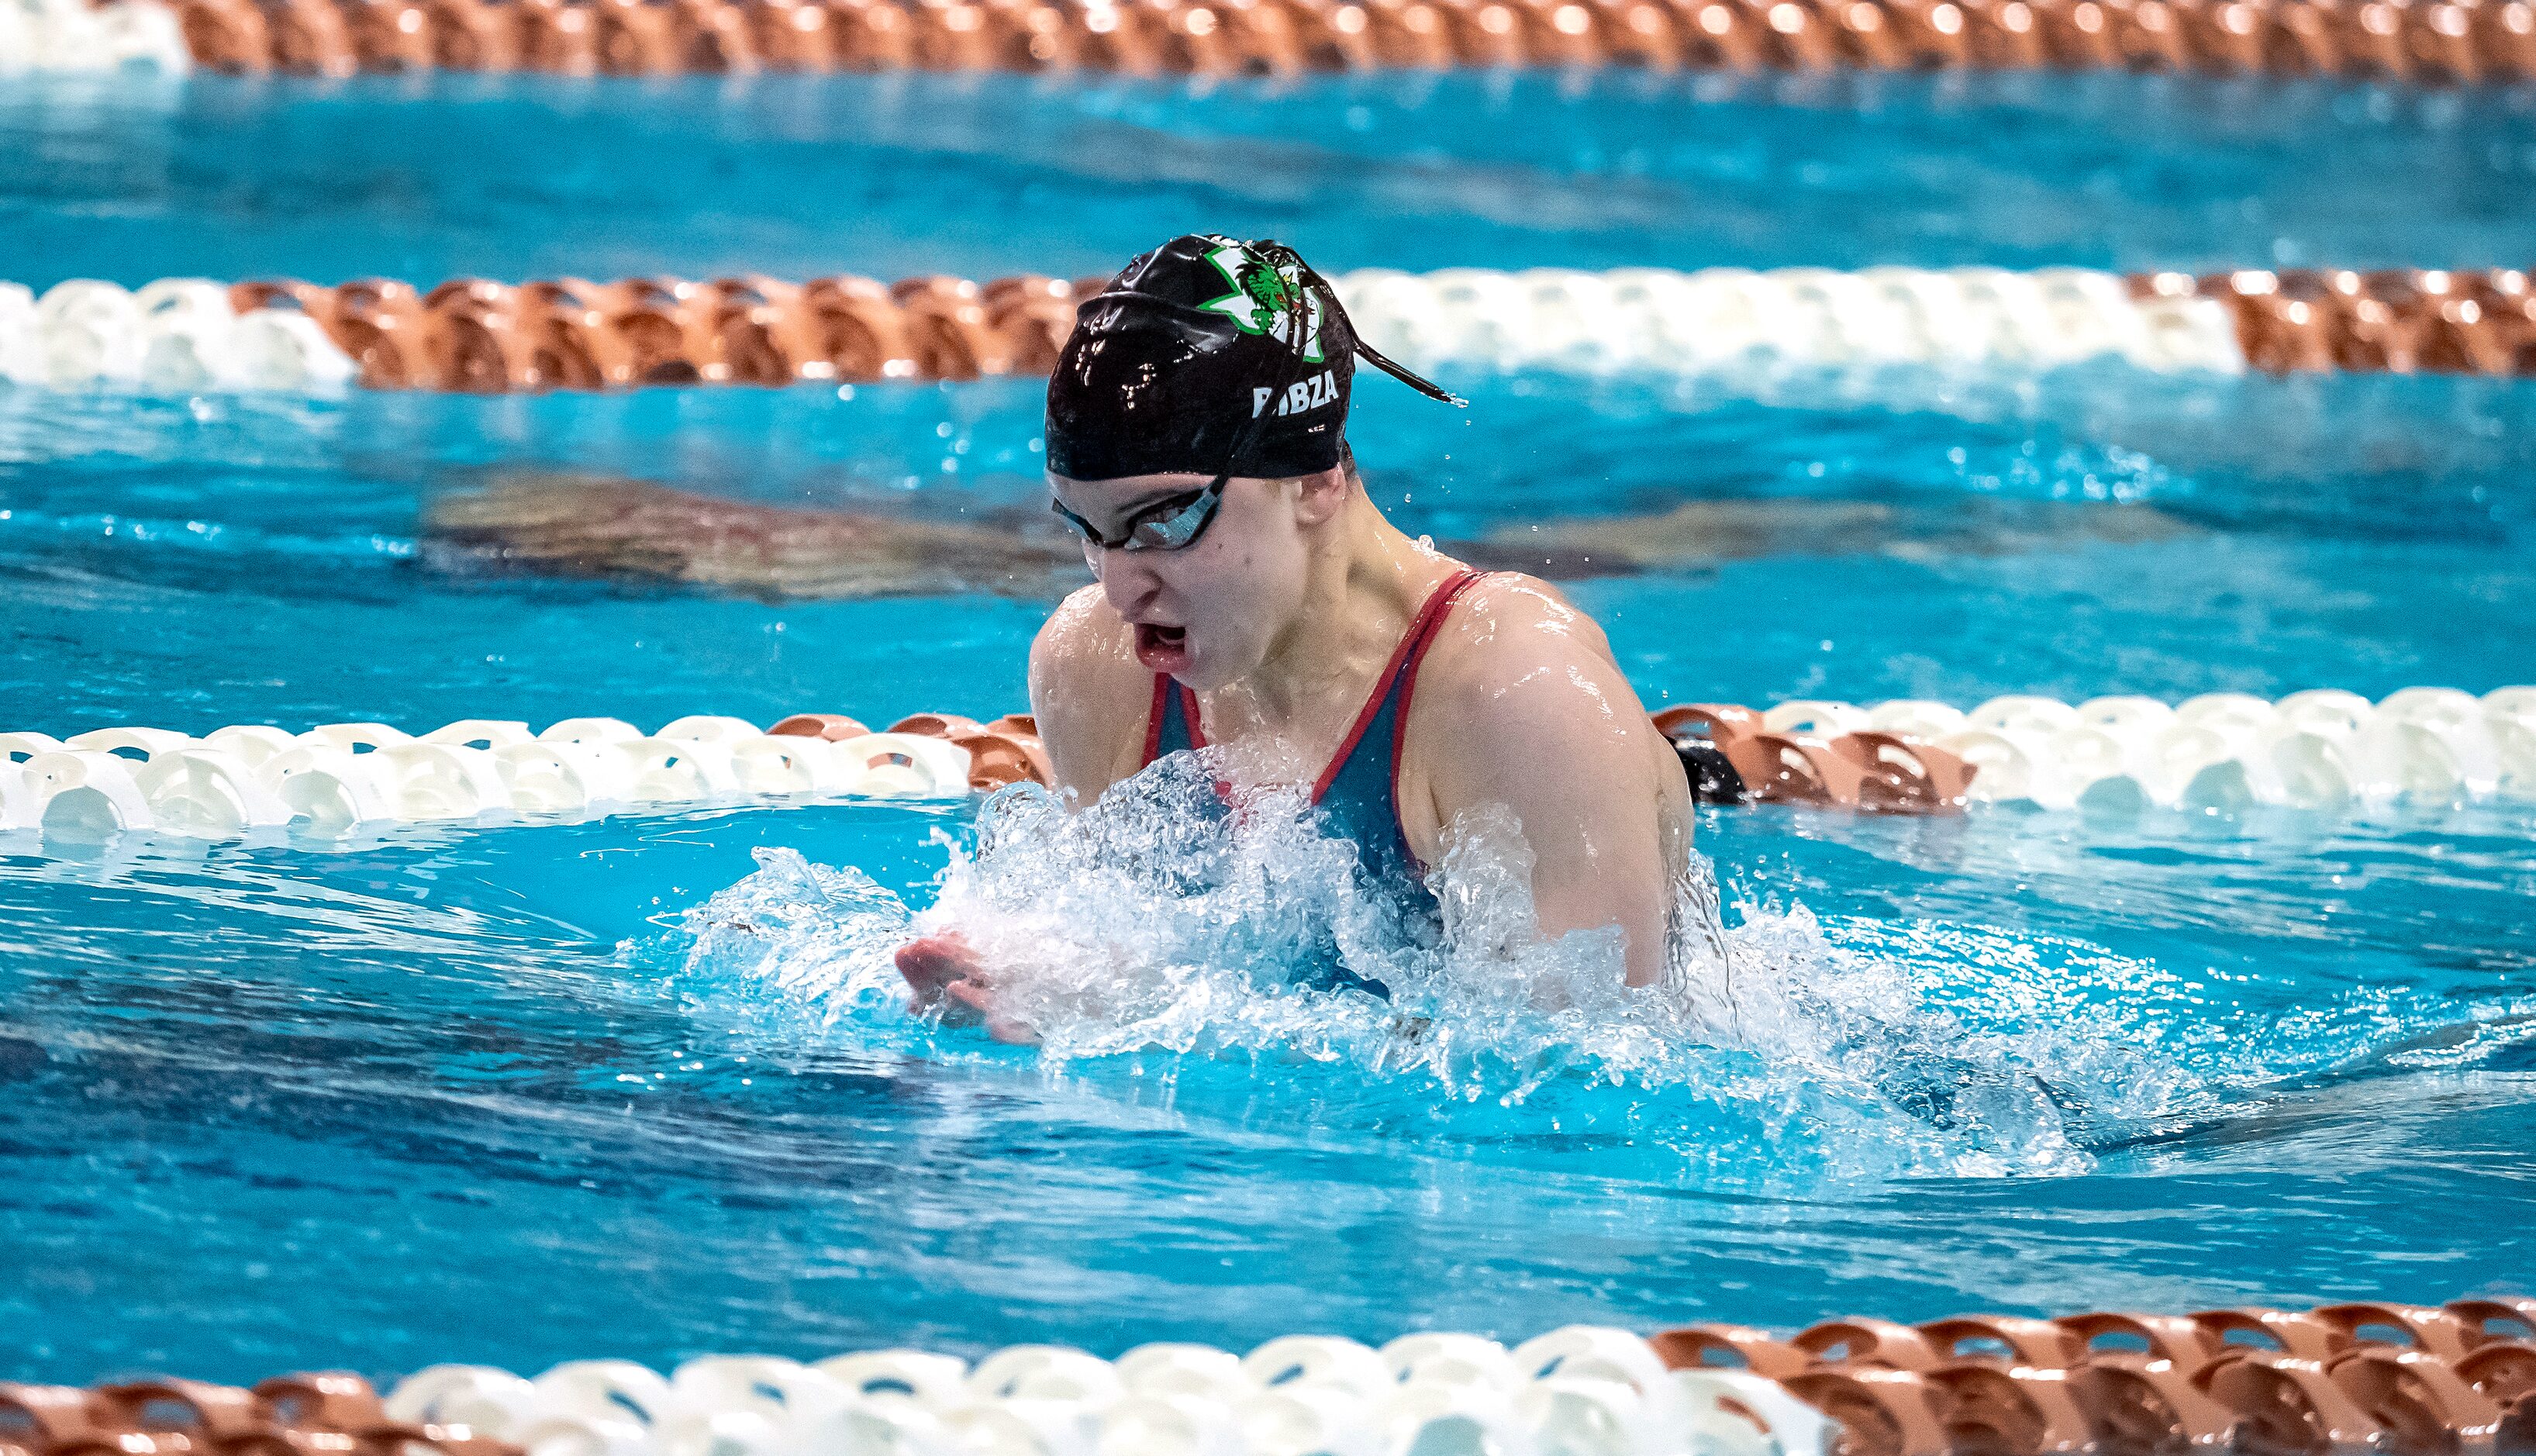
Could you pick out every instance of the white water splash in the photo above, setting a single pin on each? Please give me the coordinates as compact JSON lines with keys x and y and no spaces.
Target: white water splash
{"x":1151,"y":939}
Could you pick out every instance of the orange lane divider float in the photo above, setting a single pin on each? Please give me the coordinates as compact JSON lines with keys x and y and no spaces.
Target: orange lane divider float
{"x":2354,"y":1379}
{"x":287,"y":1415}
{"x":2403,"y":321}
{"x":477,"y":335}
{"x":2341,"y":1379}
{"x":2444,"y":40}
{"x":1733,"y":757}
{"x":1004,"y":750}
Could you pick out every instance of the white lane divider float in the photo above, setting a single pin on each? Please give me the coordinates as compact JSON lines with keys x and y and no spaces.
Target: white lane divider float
{"x":2220,"y":751}
{"x":178,"y":334}
{"x":182,"y":334}
{"x":331,"y":778}
{"x":57,"y":36}
{"x":1719,"y":318}
{"x":1579,"y":1391}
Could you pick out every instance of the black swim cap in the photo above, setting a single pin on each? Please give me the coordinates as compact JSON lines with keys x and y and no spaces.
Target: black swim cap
{"x":1211,"y":357}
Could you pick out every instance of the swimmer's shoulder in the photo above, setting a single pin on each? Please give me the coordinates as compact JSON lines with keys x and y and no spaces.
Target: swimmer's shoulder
{"x":1520,"y":684}
{"x":1515,"y":668}
{"x":1506,"y":622}
{"x":1088,"y":693}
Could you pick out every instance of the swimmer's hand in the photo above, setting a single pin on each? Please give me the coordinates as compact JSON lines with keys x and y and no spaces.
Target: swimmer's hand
{"x":945,"y":974}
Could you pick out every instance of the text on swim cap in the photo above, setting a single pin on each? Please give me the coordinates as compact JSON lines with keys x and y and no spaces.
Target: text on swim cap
{"x":1304,"y":393}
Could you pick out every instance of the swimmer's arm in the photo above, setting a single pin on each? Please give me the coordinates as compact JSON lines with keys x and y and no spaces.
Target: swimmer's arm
{"x":1535,"y":717}
{"x":1089,"y":694}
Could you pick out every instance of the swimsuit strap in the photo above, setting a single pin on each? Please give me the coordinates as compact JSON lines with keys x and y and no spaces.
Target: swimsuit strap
{"x":1399,"y":677}
{"x":1172,"y":724}
{"x":1156,"y":717}
{"x":1439,"y":607}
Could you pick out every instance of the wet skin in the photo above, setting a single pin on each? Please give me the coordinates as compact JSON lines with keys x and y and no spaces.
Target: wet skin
{"x":1281,"y":618}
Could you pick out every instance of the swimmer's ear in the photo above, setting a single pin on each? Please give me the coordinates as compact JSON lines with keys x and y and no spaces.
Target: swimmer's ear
{"x":1320,"y":496}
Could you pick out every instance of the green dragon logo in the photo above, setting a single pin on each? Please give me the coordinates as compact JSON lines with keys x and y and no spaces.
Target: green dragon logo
{"x":1267,"y":287}
{"x":1266,"y":299}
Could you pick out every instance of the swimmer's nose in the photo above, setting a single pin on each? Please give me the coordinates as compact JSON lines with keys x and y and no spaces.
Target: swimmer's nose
{"x":1130,"y":586}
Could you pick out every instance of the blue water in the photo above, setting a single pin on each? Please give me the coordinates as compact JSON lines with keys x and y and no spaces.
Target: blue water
{"x":899,"y":175}
{"x":524,"y":1092}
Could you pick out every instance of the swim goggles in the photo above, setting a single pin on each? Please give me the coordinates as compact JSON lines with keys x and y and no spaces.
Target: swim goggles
{"x":1169,"y":525}
{"x":1177,"y":522}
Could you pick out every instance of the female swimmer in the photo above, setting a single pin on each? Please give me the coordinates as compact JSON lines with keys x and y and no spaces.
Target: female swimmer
{"x":1251,"y":598}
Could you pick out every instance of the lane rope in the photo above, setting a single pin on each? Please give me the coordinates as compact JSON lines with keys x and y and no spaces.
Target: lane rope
{"x":2397,"y":1379}
{"x":2421,"y":41}
{"x":2221,"y":752}
{"x":334,"y":777}
{"x":477,"y":335}
{"x":2319,"y":749}
{"x":482,"y":337}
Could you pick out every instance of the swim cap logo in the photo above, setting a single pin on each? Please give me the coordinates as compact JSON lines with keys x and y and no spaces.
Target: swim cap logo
{"x":1267,"y":287}
{"x":1267,"y":299}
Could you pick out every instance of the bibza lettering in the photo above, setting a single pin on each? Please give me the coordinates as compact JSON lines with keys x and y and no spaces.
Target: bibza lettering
{"x":1304,"y":393}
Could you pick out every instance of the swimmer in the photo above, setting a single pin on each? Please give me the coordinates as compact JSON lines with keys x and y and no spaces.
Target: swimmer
{"x":1251,"y":597}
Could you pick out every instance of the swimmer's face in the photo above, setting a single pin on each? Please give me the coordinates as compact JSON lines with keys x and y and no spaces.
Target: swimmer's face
{"x":1207,"y":612}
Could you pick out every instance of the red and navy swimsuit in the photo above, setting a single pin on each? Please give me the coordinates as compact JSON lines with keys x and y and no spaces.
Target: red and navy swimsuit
{"x":1358,"y":794}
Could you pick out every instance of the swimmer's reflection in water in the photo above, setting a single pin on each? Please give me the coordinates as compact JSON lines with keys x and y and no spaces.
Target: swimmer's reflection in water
{"x":636,"y":532}
{"x":631,"y":531}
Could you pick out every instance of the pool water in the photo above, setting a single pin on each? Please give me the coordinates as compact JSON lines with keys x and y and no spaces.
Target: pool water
{"x":637,"y":1085}
{"x":904,"y":174}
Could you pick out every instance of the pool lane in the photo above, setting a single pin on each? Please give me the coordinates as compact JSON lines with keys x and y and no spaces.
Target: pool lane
{"x":895,"y":176}
{"x":189,"y":563}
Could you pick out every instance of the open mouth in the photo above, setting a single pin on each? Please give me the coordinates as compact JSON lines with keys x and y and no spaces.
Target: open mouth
{"x":1163,"y":649}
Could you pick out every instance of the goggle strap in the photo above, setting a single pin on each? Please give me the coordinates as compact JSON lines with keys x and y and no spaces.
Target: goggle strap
{"x":1374,"y":357}
{"x":1367,"y":351}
